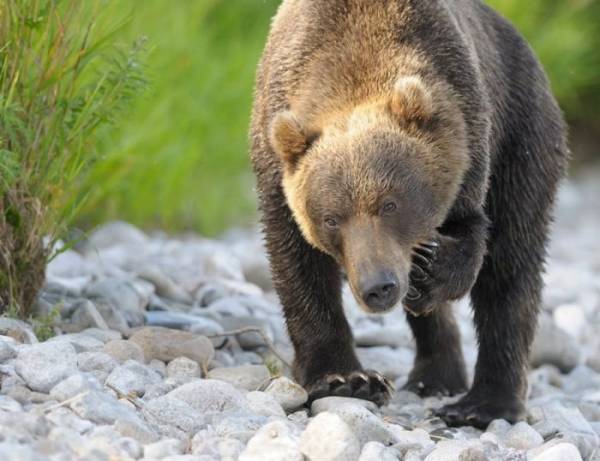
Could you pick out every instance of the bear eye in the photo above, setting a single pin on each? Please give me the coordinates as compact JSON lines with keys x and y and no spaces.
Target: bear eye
{"x":389,"y":207}
{"x":331,"y":222}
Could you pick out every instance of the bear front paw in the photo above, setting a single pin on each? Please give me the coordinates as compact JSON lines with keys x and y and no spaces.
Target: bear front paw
{"x":367,"y":385}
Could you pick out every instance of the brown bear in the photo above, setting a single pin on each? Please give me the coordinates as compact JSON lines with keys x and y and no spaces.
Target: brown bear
{"x":415,"y":146}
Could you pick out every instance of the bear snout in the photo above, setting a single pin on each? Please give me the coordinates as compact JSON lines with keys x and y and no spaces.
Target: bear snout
{"x":381,"y":291}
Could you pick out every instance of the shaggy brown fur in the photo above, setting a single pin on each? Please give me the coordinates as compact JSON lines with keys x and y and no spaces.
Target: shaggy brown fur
{"x":415,"y":145}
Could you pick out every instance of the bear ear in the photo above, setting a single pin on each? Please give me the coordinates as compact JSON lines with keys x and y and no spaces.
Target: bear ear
{"x":288,"y":137}
{"x":411,"y":101}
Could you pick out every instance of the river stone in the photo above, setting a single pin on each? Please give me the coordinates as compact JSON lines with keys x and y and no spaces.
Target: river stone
{"x":132,"y":377}
{"x":43,"y":365}
{"x":18,"y":330}
{"x":523,"y":437}
{"x":165,"y":344}
{"x":331,"y":403}
{"x":7,"y":351}
{"x":173,"y":417}
{"x":275,"y":441}
{"x":552,"y":345}
{"x":101,"y":408}
{"x":75,"y":384}
{"x":137,"y":429}
{"x":164,"y":448}
{"x":328,"y":438}
{"x":210,"y":395}
{"x":123,"y":350}
{"x":96,"y":361}
{"x":81,"y":342}
{"x":120,"y":293}
{"x":248,"y":377}
{"x":559,"y":452}
{"x":289,"y":394}
{"x":264,"y":404}
{"x":114,"y":233}
{"x":365,"y":425}
{"x":182,"y":367}
{"x":85,"y":315}
{"x":375,"y":451}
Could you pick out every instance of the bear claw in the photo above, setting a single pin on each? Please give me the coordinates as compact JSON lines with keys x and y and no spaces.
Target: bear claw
{"x":367,"y":385}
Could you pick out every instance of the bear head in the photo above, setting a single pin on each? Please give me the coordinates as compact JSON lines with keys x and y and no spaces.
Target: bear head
{"x":371,"y":182}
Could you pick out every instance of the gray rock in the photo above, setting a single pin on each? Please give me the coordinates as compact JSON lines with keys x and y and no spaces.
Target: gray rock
{"x":160,"y":367}
{"x":249,"y":340}
{"x":7,"y":351}
{"x":96,"y":361}
{"x":328,"y":438}
{"x":114,"y":233}
{"x":554,"y":346}
{"x":405,"y":439}
{"x":164,"y":448}
{"x":375,"y":451}
{"x":174,"y":417}
{"x":115,"y":318}
{"x":522,"y":437}
{"x":18,"y":330}
{"x":123,"y":350}
{"x":165,"y":287}
{"x":331,"y":403}
{"x":554,"y":419}
{"x":102,"y":335}
{"x":171,"y":320}
{"x":249,"y":377}
{"x":365,"y":425}
{"x":80,"y":342}
{"x":209,"y":395}
{"x":13,"y":451}
{"x":86,"y":315}
{"x":43,"y":365}
{"x":166,"y":345}
{"x":100,"y":408}
{"x":9,"y":404}
{"x":275,"y":441}
{"x":264,"y":404}
{"x":75,"y":384}
{"x":240,"y":426}
{"x":452,"y":450}
{"x":383,"y":359}
{"x":559,"y":452}
{"x":65,"y":418}
{"x":289,"y":394}
{"x":132,"y":377}
{"x":122,"y":295}
{"x":136,"y":429}
{"x":182,"y":367}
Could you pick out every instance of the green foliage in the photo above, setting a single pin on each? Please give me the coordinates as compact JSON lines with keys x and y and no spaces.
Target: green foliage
{"x":566,"y":36}
{"x":61,"y":82}
{"x":180,"y":160}
{"x":43,"y":326}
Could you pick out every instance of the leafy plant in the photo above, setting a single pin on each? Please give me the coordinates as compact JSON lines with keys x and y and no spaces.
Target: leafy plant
{"x":62,"y":81}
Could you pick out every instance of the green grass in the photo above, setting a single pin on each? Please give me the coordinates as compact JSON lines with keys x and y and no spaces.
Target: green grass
{"x":61,"y":83}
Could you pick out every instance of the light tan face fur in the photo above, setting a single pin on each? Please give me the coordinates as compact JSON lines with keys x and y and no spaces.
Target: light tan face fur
{"x":393,"y":149}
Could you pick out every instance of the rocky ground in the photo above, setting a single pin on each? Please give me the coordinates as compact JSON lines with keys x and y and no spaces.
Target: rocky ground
{"x":143,"y":364}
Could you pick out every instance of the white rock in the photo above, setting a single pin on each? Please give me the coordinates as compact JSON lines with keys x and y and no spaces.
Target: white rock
{"x":571,"y":318}
{"x":65,"y":418}
{"x":136,"y":429}
{"x":182,"y":367}
{"x":375,"y":451}
{"x":417,"y":438}
{"x":120,"y":294}
{"x":7,"y":351}
{"x":276,"y":441}
{"x":210,"y":395}
{"x":522,"y":437}
{"x":132,"y":377}
{"x":115,"y":233}
{"x":13,"y":451}
{"x":249,"y":377}
{"x":75,"y":384}
{"x":331,"y":403}
{"x":174,"y":418}
{"x":383,"y":359}
{"x":450,"y":450}
{"x":80,"y":342}
{"x":96,"y":361}
{"x":560,"y":452}
{"x":264,"y":404}
{"x":164,"y":448}
{"x":9,"y":404}
{"x":289,"y":394}
{"x":553,"y":346}
{"x":328,"y":438}
{"x":102,"y":334}
{"x":123,"y":350}
{"x":100,"y":408}
{"x":365,"y":425}
{"x":17,"y":330}
{"x":85,"y":315}
{"x":43,"y":365}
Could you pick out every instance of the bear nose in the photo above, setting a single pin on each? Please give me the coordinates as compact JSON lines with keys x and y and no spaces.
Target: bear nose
{"x":381,"y":292}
